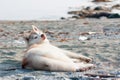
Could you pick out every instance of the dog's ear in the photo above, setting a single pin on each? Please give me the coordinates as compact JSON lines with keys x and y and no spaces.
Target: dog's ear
{"x":35,"y":29}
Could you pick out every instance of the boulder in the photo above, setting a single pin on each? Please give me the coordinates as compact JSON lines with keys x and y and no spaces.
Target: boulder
{"x":101,"y":0}
{"x":104,"y":14}
{"x":117,"y":6}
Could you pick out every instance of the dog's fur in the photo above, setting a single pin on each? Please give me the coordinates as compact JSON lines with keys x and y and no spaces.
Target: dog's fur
{"x":44,"y":56}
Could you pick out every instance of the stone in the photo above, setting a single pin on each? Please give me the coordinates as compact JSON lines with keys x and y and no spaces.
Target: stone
{"x":29,"y":78}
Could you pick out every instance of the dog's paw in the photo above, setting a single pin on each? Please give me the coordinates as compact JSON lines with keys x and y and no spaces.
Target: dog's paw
{"x":85,"y":67}
{"x":88,"y":60}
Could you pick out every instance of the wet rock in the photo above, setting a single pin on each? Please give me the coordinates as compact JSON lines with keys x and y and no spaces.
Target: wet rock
{"x":98,"y":8}
{"x":88,"y":8}
{"x":29,"y":78}
{"x":116,"y":6}
{"x":76,"y":17}
{"x":101,"y":0}
{"x":102,"y":9}
{"x":98,"y":15}
{"x":104,"y":14}
{"x":62,"y":18}
{"x":97,"y":11}
{"x":80,"y":78}
{"x":114,"y":15}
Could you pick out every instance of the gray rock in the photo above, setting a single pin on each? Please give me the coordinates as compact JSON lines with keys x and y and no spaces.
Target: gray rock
{"x":29,"y":78}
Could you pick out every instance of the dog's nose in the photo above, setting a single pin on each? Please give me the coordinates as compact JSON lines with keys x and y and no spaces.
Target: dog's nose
{"x":42,"y":35}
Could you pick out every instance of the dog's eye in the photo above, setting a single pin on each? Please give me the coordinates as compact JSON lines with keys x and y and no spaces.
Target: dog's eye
{"x":35,"y":37}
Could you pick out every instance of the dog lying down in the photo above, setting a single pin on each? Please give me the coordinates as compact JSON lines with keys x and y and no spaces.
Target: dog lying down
{"x":42,"y":55}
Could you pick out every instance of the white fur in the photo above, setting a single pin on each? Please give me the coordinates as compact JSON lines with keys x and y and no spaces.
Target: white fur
{"x":44,"y":56}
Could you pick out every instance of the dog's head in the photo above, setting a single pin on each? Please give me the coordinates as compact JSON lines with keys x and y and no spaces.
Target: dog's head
{"x":36,"y":36}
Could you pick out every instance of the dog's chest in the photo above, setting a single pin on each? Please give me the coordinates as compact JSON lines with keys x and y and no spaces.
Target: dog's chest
{"x":45,"y":50}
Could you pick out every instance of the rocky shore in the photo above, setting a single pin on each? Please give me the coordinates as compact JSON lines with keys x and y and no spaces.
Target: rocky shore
{"x":103,"y":46}
{"x":98,"y":9}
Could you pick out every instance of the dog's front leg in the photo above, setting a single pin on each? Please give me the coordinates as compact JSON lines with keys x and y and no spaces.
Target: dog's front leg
{"x":77,"y":56}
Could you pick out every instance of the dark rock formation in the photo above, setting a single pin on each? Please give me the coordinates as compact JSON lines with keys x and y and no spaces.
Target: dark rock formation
{"x":104,"y":14}
{"x":101,"y":0}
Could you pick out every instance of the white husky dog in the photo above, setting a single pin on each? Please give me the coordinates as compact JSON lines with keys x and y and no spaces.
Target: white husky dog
{"x":44,"y":56}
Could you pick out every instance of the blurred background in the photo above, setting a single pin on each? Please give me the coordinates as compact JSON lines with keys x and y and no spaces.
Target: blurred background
{"x":35,"y":9}
{"x":42,"y":9}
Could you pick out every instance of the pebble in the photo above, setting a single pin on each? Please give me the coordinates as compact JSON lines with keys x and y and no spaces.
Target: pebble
{"x":19,"y":42}
{"x":29,"y":78}
{"x":82,"y":38}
